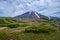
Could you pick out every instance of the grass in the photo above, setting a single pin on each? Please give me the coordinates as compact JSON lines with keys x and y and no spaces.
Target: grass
{"x":40,"y":29}
{"x":7,"y":35}
{"x":10,"y":25}
{"x":31,"y":33}
{"x":28,"y":29}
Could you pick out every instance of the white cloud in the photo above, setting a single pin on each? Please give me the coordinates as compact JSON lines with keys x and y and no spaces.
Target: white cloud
{"x":16,"y":7}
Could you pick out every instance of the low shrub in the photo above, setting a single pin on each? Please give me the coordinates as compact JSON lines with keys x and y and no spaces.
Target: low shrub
{"x":40,"y":29}
{"x":13,"y":25}
{"x":2,"y":21}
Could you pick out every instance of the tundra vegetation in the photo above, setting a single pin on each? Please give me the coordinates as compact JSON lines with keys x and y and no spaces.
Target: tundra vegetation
{"x":29,"y":29}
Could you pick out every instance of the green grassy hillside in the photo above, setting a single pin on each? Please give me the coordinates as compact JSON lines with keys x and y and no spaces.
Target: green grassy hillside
{"x":29,"y":29}
{"x":5,"y":22}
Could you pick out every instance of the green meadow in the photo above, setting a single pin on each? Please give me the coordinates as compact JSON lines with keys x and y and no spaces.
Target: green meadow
{"x":29,"y":29}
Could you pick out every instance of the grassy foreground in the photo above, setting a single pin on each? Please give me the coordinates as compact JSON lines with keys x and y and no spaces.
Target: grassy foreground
{"x":28,"y":29}
{"x":31,"y":33}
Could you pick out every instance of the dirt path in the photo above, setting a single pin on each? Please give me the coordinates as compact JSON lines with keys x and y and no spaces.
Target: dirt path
{"x":14,"y":30}
{"x":19,"y":29}
{"x":2,"y":28}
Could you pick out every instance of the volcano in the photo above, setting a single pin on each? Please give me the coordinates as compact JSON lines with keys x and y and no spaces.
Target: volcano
{"x":30,"y":14}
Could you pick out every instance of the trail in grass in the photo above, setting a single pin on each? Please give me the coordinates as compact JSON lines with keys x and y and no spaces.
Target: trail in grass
{"x":2,"y":28}
{"x":18,"y":29}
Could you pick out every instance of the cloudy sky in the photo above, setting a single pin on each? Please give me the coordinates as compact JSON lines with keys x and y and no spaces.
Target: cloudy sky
{"x":17,"y":7}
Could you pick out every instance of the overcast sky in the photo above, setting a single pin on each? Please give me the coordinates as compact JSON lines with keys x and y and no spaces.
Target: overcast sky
{"x":17,"y":7}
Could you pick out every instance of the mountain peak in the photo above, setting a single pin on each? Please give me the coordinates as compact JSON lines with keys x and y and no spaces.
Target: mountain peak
{"x":30,"y":14}
{"x":31,"y":11}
